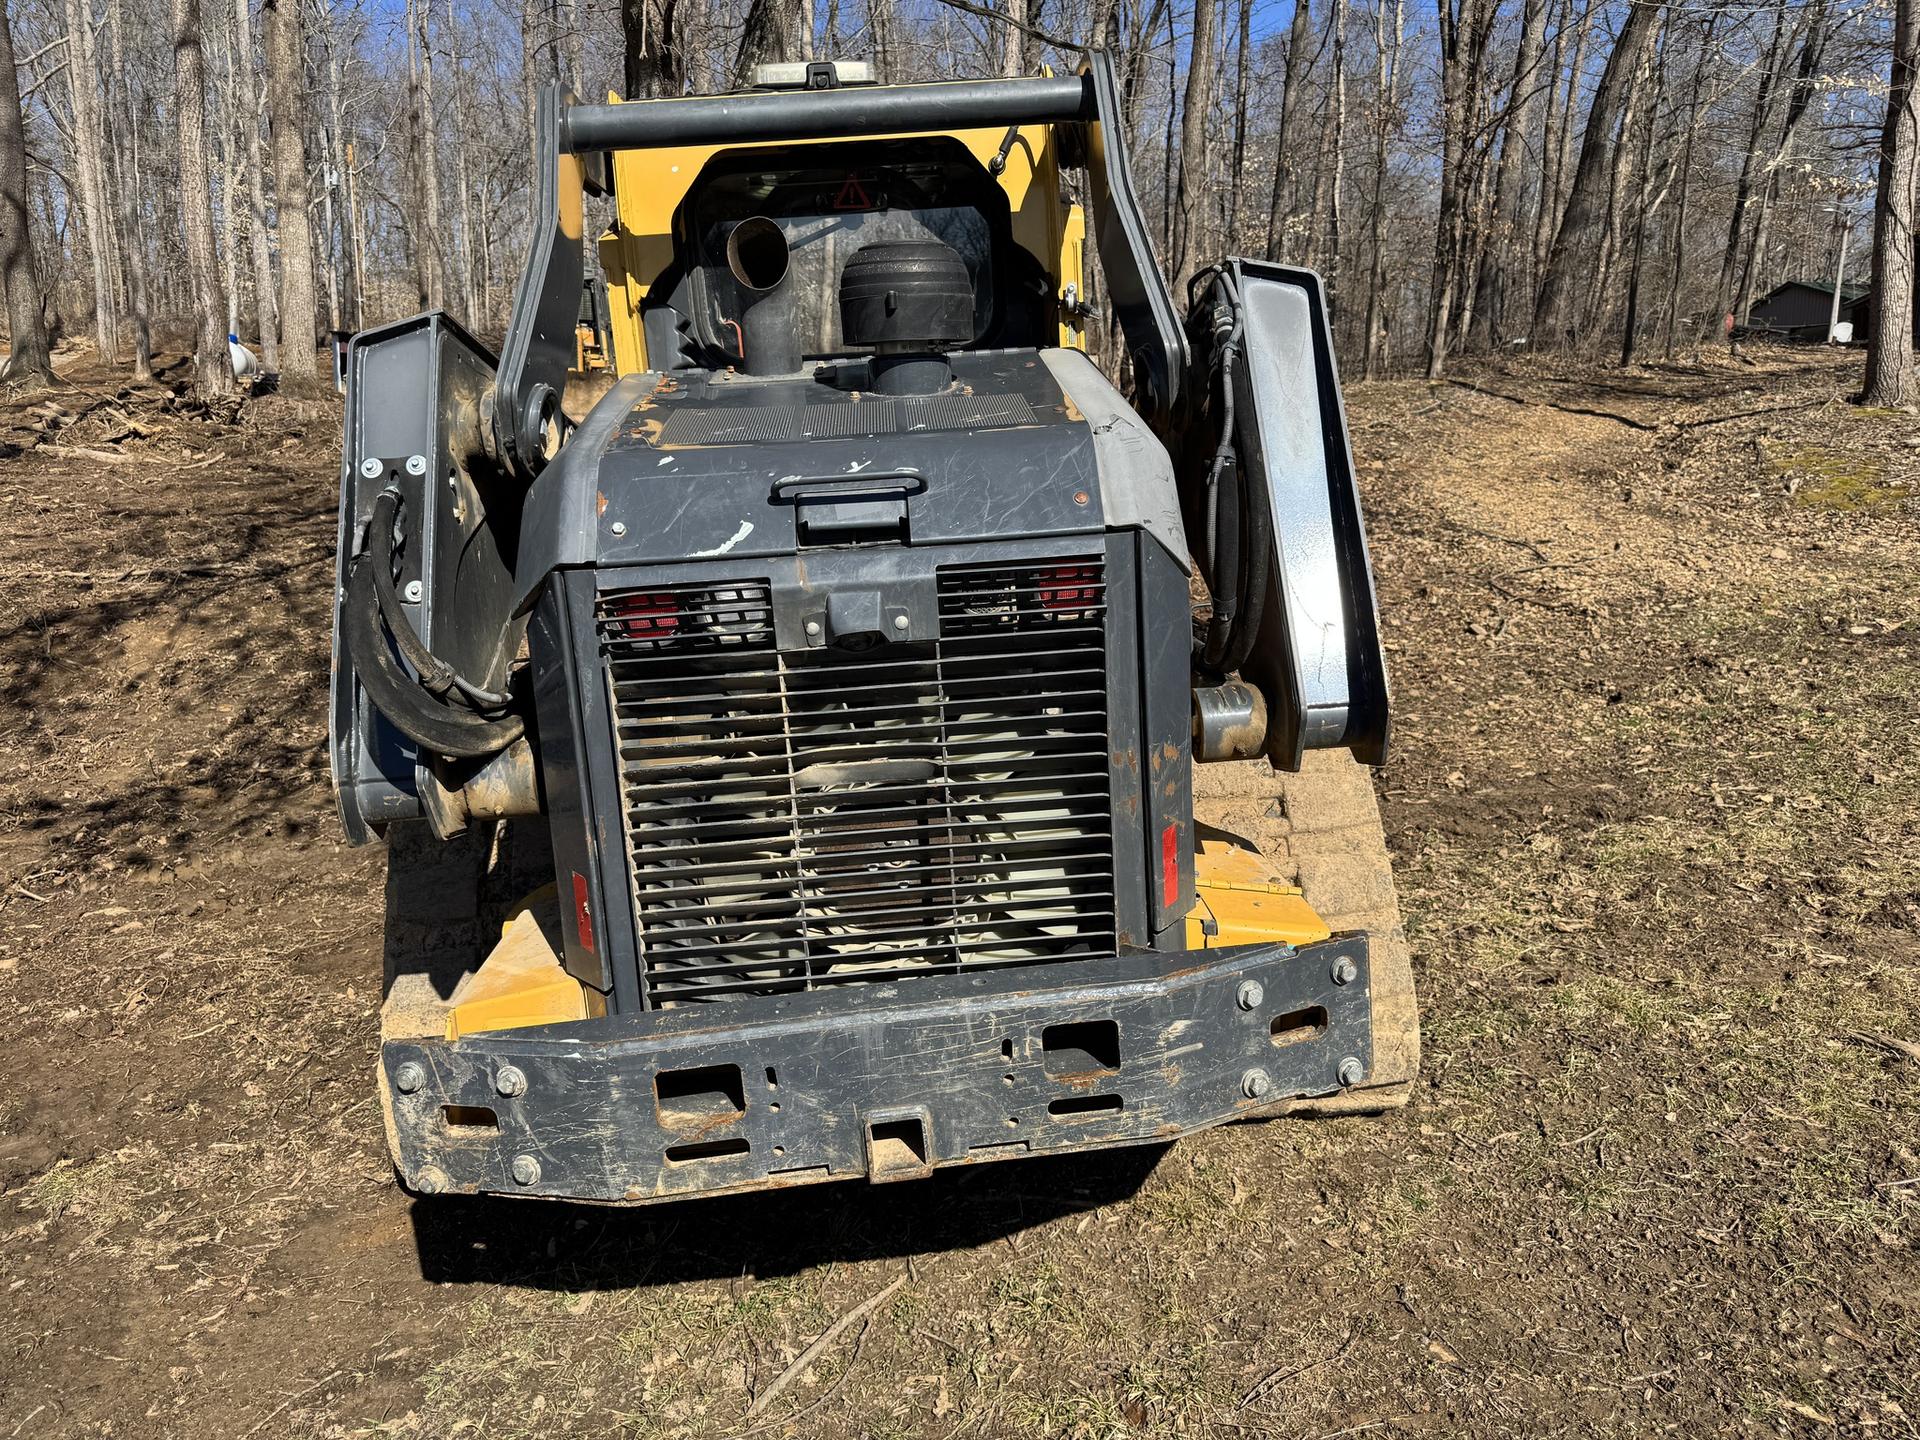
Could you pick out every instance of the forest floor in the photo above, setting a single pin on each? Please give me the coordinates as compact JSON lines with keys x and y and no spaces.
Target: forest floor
{"x":1655,"y":802}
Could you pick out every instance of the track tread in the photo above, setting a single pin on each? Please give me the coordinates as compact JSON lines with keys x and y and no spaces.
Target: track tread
{"x":1321,"y":831}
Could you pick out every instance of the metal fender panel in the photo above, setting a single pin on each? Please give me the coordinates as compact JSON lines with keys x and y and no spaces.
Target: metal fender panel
{"x":414,"y":394}
{"x":1317,"y":657}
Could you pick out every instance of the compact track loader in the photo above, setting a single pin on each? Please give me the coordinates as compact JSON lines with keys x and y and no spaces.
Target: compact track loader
{"x":916,"y":750}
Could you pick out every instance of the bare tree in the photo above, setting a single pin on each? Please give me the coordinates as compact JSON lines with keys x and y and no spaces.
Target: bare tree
{"x":30,"y":358}
{"x":1189,"y":199}
{"x":430,"y":222}
{"x":212,"y":368}
{"x":770,"y":35}
{"x":126,"y":189}
{"x":286,"y":82}
{"x":90,"y":165}
{"x":1385,"y":117}
{"x":654,"y":65}
{"x":1464,"y":30}
{"x":249,"y":118}
{"x":1279,"y":210}
{"x":1890,"y":366}
{"x":1501,"y":253}
{"x":1574,"y":241}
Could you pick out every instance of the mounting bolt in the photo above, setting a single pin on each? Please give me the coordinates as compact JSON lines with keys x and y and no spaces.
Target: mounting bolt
{"x":1255,"y":1083}
{"x":619,"y":527}
{"x":1250,"y":994}
{"x":899,"y":622}
{"x":813,"y":627}
{"x":1352,"y":1072}
{"x":416,"y":464}
{"x":511,"y":1081}
{"x":430,"y":1181}
{"x":409,"y":1077}
{"x":526,"y":1170}
{"x":370,"y":467}
{"x":413,"y":592}
{"x":1344,"y":971}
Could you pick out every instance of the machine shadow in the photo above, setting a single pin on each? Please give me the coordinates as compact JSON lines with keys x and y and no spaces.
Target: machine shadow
{"x":547,"y":1245}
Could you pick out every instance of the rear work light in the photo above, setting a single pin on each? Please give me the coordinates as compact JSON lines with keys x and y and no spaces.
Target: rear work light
{"x":1069,"y":587}
{"x":646,"y":617}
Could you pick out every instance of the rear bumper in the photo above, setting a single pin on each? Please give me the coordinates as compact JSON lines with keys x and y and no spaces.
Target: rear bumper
{"x":887,"y":1081}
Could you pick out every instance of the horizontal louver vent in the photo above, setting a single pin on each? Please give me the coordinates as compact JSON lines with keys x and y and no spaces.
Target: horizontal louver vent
{"x":817,"y":816}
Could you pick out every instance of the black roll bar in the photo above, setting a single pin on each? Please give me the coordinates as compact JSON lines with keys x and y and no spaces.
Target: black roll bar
{"x":775,"y":116}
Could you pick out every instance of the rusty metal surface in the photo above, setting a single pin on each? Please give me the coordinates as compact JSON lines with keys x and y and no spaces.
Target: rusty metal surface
{"x":1135,"y":1049}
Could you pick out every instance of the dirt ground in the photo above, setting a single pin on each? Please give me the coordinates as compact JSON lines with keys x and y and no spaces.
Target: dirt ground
{"x":1655,"y":800}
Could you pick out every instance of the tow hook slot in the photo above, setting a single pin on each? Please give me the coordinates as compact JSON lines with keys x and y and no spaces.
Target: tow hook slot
{"x":897,"y":1146}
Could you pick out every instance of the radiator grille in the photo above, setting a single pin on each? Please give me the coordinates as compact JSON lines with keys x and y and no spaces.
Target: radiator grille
{"x":813,"y":817}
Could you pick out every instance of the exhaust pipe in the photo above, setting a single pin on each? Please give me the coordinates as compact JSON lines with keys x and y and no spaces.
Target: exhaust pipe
{"x":757,"y":256}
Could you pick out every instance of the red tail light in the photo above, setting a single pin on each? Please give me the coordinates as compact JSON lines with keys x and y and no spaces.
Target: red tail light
{"x":1069,"y":587}
{"x":646,"y":617}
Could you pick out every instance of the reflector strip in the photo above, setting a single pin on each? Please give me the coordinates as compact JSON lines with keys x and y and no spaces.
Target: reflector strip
{"x":582,"y":913}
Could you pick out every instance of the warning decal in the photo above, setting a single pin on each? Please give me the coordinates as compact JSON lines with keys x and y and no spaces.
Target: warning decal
{"x":853,"y":195}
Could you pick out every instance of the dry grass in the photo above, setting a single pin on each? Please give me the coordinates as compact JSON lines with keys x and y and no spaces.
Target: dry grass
{"x":1654,"y":803}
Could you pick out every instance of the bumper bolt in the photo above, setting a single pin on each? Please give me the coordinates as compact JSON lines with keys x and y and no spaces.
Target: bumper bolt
{"x":1352,"y":1072}
{"x":1250,"y":994}
{"x":416,"y":464}
{"x":413,"y":592}
{"x":409,"y":1077}
{"x":526,"y":1170}
{"x":1255,"y":1083}
{"x":1344,"y":971}
{"x":430,"y":1181}
{"x":370,"y":467}
{"x":511,"y":1081}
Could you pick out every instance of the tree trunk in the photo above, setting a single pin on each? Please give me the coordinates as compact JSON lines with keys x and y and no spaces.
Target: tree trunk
{"x":1385,"y":86}
{"x":90,"y":164}
{"x":1337,"y":181}
{"x":653,"y":68}
{"x":1686,"y":190}
{"x":463,"y":177}
{"x":127,"y":192}
{"x":226,"y":126}
{"x":1890,"y":371}
{"x":1613,"y":232}
{"x":1501,"y":252}
{"x":1749,"y":164}
{"x":1553,"y":316}
{"x":212,"y":366}
{"x":767,"y":38}
{"x":431,"y":246}
{"x":251,"y":108}
{"x":1464,"y":26}
{"x":1236,"y":185}
{"x":30,"y":358}
{"x":286,"y":82}
{"x":340,"y":156}
{"x":1013,"y":40}
{"x":1189,"y":240}
{"x":1556,"y":144}
{"x":1280,"y":209}
{"x":1642,"y":214}
{"x":1799,"y":95}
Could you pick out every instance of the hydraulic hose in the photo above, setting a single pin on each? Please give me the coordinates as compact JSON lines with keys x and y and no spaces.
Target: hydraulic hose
{"x":435,"y":674}
{"x":1239,"y":523}
{"x":370,"y":613}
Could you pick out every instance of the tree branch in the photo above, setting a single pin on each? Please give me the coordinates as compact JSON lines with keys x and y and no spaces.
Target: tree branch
{"x":1044,"y":37}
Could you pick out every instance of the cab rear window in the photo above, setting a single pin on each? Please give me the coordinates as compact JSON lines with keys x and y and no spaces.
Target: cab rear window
{"x":842,"y":198}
